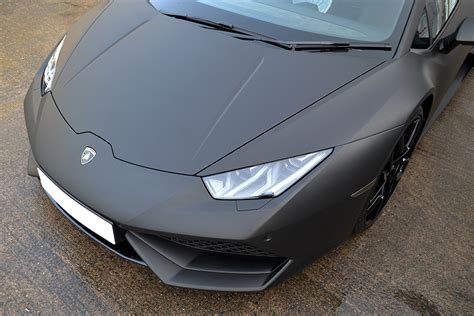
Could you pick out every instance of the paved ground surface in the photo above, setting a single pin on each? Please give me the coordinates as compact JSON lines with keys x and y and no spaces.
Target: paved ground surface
{"x":418,"y":258}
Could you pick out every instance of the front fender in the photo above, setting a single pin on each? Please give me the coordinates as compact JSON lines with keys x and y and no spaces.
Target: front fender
{"x":381,"y":100}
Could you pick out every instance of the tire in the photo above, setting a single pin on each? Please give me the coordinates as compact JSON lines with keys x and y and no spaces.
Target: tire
{"x":392,"y":172}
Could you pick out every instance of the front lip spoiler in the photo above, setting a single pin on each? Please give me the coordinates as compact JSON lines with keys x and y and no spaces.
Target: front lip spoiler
{"x":189,"y":267}
{"x":186,"y":267}
{"x":161,"y":265}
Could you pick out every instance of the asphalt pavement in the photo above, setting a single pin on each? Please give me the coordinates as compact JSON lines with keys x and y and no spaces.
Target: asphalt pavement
{"x":417,"y":259}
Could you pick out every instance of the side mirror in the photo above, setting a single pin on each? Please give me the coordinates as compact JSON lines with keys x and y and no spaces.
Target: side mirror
{"x":465,"y":33}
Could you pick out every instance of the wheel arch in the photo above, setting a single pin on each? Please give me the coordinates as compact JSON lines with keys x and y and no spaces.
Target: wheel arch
{"x":427,"y":105}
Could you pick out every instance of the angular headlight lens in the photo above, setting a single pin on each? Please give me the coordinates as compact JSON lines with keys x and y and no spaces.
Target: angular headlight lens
{"x":50,"y":69}
{"x":267,"y":180}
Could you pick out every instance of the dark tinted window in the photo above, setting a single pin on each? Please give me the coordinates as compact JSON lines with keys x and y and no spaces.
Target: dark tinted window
{"x":422,"y":36}
{"x":438,"y":13}
{"x":359,"y":20}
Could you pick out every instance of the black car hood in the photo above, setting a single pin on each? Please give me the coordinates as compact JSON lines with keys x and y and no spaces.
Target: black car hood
{"x":171,"y":95}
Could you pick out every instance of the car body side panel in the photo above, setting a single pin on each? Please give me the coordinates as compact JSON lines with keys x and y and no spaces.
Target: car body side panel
{"x":350,"y":114}
{"x":443,"y":61}
{"x":464,"y":9}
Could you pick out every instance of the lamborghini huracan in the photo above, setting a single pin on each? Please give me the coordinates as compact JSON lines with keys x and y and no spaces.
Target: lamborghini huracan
{"x":226,"y":144}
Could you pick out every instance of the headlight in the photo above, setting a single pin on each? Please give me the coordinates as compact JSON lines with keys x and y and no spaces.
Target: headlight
{"x":267,"y":180}
{"x":50,"y":70}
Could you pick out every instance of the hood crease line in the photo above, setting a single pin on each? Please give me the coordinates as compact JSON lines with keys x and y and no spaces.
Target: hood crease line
{"x":106,"y":50}
{"x":236,"y":95}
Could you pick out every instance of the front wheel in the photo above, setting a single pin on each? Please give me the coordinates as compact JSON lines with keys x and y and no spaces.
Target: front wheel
{"x":392,"y":172}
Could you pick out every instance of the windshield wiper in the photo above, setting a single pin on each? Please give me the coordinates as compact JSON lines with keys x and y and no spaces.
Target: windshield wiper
{"x":321,"y":46}
{"x":205,"y":22}
{"x":222,"y":26}
{"x":294,"y":46}
{"x":331,"y":46}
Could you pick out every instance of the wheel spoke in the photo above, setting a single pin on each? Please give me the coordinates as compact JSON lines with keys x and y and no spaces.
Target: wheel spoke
{"x":411,"y":140}
{"x":378,"y":198}
{"x":394,"y":169}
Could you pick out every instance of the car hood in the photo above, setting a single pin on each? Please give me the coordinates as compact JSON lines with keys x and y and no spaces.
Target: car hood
{"x":173,"y":96}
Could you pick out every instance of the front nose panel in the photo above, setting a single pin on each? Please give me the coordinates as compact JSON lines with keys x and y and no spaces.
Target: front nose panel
{"x":131,"y":195}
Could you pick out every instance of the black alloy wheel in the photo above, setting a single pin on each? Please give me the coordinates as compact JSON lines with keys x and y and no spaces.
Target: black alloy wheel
{"x":392,"y":172}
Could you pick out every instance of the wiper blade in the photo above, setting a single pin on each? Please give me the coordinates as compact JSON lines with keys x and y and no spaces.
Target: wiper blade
{"x":209,"y":23}
{"x":198,"y":20}
{"x":320,"y":46}
{"x":265,"y":39}
{"x":221,"y":26}
{"x":317,"y":46}
{"x":330,"y":46}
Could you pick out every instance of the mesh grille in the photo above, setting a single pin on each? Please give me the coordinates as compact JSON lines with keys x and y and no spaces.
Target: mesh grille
{"x":229,"y":247}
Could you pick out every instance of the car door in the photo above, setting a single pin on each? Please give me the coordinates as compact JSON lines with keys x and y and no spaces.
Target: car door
{"x":434,"y":40}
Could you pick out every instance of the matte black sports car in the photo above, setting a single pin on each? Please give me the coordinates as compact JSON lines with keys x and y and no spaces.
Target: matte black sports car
{"x":227,"y":144}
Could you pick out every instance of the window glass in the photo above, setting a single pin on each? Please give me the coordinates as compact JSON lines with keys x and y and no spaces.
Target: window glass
{"x":438,"y":13}
{"x":422,"y":36}
{"x":360,"y":20}
{"x":364,"y":20}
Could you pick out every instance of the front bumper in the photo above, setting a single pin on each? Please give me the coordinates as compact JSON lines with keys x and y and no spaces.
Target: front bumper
{"x":170,"y":222}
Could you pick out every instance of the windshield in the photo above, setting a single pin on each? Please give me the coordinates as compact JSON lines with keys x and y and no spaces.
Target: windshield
{"x":356,"y":20}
